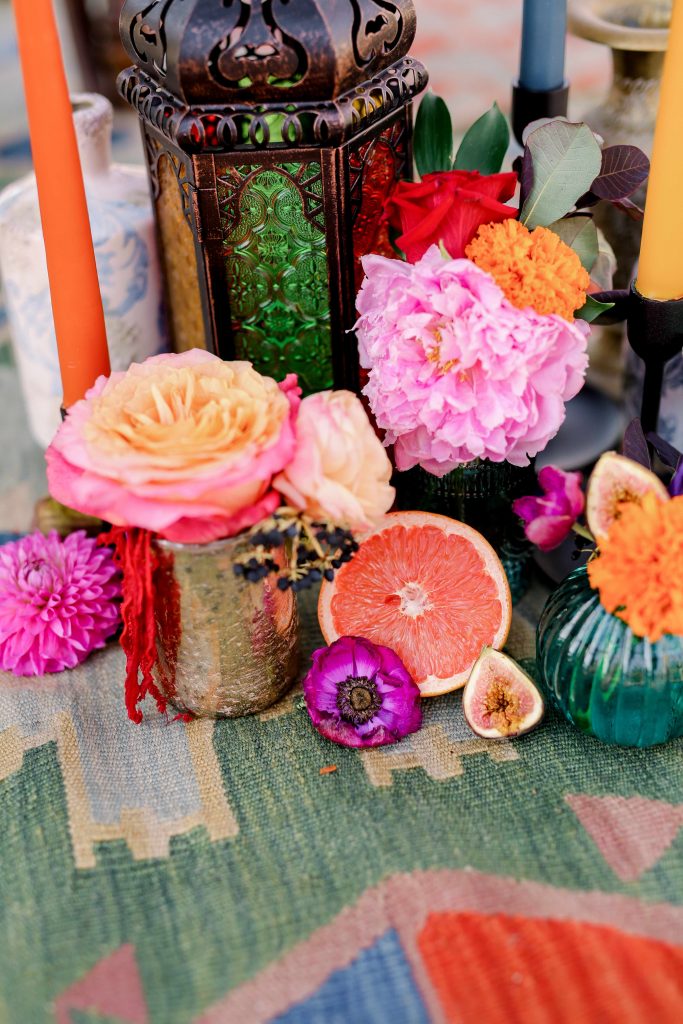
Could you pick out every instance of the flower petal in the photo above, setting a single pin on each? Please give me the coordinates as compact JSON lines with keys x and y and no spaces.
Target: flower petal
{"x":548,"y":532}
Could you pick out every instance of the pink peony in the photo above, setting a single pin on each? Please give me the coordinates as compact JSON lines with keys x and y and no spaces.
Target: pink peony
{"x":183,"y":445}
{"x":340,"y":471}
{"x":456,"y":372}
{"x":59,"y":600}
{"x":549,"y":520}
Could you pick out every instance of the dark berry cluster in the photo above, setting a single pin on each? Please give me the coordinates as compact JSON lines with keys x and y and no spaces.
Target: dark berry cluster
{"x":341,"y":542}
{"x":256,"y":568}
{"x":297,"y":550}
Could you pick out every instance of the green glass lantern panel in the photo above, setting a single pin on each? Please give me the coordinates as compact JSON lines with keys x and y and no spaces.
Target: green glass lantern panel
{"x":277,"y":269}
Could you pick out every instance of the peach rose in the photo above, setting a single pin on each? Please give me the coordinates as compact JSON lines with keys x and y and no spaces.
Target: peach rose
{"x":340,"y":471}
{"x":184,"y":445}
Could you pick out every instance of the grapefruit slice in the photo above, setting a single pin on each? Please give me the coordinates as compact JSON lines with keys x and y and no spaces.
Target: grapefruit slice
{"x":430,"y":588}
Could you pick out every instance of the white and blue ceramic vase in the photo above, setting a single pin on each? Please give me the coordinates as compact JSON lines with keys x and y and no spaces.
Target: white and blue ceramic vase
{"x":125,"y":247}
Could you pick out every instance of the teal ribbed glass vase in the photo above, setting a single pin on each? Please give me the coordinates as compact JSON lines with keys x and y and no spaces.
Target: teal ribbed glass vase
{"x":480,"y":494}
{"x":603,"y":678}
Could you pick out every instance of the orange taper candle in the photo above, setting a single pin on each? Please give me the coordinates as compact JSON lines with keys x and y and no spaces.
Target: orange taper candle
{"x":74,"y":288}
{"x":660,"y":272}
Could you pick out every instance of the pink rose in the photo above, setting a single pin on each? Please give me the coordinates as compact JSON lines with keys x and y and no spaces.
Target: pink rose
{"x":184,"y":445}
{"x":340,"y":471}
{"x":456,"y":372}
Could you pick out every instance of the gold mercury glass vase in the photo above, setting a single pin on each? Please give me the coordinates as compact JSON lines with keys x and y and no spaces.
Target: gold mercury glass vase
{"x":225,"y":647}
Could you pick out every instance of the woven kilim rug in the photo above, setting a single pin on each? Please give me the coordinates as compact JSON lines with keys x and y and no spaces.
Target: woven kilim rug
{"x":178,"y":874}
{"x":219,"y":873}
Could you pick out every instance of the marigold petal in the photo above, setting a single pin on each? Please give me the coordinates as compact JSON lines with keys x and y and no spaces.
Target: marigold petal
{"x":534,"y":268}
{"x":640,"y":567}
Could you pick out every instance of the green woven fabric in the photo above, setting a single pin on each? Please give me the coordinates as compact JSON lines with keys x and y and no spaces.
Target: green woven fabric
{"x":178,"y":872}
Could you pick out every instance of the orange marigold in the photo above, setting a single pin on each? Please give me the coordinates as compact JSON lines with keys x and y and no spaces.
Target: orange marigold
{"x":639,"y":571}
{"x":533,"y":268}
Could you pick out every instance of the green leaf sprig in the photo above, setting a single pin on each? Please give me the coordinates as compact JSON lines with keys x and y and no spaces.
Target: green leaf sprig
{"x":564,"y":172}
{"x":482,"y":149}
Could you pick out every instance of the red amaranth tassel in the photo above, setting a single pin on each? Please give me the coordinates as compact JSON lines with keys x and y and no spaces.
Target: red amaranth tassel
{"x":135,"y":555}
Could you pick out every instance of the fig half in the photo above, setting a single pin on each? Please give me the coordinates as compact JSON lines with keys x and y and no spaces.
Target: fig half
{"x":500,"y":700}
{"x":614,"y":482}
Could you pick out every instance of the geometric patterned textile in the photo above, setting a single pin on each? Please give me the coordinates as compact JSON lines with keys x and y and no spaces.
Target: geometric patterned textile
{"x":217,"y":873}
{"x":208,"y":873}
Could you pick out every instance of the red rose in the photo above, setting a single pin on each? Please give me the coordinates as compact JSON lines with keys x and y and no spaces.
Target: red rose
{"x":448,"y":207}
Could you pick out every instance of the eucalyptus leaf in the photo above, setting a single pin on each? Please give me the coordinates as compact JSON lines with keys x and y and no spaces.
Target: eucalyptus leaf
{"x":566,"y":160}
{"x":581,"y":235}
{"x":433,"y":140}
{"x":592,"y":309}
{"x":618,"y":301}
{"x":605,"y":266}
{"x":630,"y":208}
{"x":526,"y":176}
{"x":602,"y":273}
{"x":623,"y":171}
{"x":635,"y":446}
{"x":485,"y":144}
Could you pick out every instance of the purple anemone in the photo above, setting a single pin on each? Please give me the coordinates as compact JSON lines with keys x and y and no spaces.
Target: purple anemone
{"x":361,"y":695}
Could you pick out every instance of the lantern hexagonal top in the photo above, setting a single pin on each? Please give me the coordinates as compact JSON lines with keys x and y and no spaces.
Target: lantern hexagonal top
{"x":226,"y":51}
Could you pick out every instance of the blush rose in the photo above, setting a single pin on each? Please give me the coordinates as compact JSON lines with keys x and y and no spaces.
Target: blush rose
{"x":340,"y":470}
{"x":183,"y":445}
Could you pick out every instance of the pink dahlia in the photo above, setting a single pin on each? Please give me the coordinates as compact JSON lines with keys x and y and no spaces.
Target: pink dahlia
{"x":59,"y":600}
{"x":457,"y":373}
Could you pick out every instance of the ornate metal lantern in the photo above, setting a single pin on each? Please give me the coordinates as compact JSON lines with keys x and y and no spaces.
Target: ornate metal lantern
{"x":274,"y":131}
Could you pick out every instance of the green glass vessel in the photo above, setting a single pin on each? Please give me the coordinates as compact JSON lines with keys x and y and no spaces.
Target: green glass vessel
{"x":604,"y":679}
{"x":480,"y":494}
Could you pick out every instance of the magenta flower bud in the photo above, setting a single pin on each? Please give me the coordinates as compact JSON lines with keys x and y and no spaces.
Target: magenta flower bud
{"x":548,"y":520}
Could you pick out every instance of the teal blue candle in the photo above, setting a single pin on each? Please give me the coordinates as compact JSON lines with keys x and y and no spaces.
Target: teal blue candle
{"x":544,"y":35}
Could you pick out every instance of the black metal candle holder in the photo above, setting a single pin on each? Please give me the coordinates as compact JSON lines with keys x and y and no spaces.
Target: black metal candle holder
{"x":532,"y":104}
{"x":655,"y":333}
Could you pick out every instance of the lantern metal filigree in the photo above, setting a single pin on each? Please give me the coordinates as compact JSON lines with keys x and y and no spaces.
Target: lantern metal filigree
{"x":274,"y":132}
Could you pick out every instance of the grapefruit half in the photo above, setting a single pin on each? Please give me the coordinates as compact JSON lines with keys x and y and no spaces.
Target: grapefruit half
{"x":430,"y":588}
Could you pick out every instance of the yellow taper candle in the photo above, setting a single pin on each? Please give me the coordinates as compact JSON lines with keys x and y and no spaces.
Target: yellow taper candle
{"x":660,"y":273}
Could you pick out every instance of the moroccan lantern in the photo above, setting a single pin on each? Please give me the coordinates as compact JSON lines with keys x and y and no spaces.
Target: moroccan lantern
{"x":274,"y":131}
